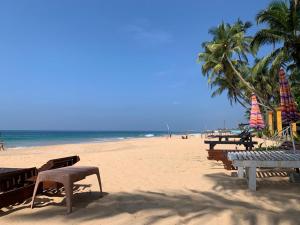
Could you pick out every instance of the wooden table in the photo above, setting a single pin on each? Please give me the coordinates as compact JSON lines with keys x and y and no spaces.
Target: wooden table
{"x":250,"y":160}
{"x":66,"y":176}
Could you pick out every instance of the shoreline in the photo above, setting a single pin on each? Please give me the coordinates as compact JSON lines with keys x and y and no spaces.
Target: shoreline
{"x":83,"y":142}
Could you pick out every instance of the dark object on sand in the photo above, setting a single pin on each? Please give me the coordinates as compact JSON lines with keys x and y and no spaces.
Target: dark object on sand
{"x":66,"y":176}
{"x":17,"y":184}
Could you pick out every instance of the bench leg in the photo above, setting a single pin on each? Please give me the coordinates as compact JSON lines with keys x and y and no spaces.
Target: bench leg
{"x":240,"y":172}
{"x":68,"y":185}
{"x":252,"y":179}
{"x":37,"y":182}
{"x":99,"y":181}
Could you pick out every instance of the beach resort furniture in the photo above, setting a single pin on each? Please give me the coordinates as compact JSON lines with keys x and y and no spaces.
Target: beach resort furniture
{"x":59,"y":162}
{"x":221,"y":155}
{"x":247,"y":143}
{"x":249,"y":161}
{"x":66,"y":176}
{"x":245,"y":138}
{"x":54,"y":164}
{"x":14,"y":186}
{"x":288,"y":145}
{"x":17,"y":184}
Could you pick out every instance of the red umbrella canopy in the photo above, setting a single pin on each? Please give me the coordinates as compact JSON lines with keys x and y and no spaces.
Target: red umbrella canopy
{"x":256,"y":120}
{"x":289,"y":112}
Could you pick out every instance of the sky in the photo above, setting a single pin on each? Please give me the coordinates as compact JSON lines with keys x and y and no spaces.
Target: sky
{"x":112,"y":65}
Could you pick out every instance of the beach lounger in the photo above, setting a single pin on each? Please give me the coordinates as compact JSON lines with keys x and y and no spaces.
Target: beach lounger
{"x":59,"y":162}
{"x":17,"y":184}
{"x":249,"y":161}
{"x":66,"y":176}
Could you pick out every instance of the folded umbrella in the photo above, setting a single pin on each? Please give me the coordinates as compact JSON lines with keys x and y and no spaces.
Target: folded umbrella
{"x":288,"y":107}
{"x":256,"y":119}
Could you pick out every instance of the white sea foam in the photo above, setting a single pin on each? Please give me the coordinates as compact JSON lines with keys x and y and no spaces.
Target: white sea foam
{"x":149,"y":135}
{"x":20,"y":147}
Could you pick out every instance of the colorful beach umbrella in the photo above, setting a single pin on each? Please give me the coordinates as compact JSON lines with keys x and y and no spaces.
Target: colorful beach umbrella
{"x":289,"y":112}
{"x":256,"y":119}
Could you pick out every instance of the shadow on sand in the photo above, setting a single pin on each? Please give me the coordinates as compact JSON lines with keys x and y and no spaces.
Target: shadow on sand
{"x":275,"y":201}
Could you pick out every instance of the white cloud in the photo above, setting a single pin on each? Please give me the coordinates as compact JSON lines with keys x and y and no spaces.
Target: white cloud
{"x":151,"y":36}
{"x":177,"y":84}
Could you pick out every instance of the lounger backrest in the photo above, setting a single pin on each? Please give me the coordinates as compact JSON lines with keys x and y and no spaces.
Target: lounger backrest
{"x":60,"y":162}
{"x":16,"y":179}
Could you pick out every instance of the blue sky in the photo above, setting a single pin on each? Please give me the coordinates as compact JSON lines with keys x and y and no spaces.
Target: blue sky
{"x":111,"y":65}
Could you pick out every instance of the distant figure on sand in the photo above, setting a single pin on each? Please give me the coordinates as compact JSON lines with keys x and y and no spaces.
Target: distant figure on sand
{"x":1,"y":143}
{"x":2,"y":146}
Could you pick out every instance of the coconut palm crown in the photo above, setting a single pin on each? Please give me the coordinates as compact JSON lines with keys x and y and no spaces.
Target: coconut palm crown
{"x":282,"y":31}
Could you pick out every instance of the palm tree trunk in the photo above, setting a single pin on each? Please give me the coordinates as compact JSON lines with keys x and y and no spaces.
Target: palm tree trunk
{"x":249,"y":86}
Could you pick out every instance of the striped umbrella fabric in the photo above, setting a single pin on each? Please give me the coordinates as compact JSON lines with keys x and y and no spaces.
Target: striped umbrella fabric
{"x":289,"y":112}
{"x":256,"y":120}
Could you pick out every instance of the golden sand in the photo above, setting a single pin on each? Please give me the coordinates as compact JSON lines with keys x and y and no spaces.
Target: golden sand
{"x":155,"y":181}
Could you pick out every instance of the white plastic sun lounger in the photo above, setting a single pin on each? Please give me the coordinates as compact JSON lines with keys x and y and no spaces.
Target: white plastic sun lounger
{"x":250,"y":160}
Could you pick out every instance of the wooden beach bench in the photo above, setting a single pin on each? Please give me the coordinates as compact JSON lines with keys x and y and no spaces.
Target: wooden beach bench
{"x":225,"y":137}
{"x":244,"y":136}
{"x":221,"y":155}
{"x":249,"y":161}
{"x":17,"y":184}
{"x":248,"y":144}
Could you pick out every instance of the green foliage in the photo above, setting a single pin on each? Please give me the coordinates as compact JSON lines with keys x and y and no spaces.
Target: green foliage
{"x":269,"y":148}
{"x":225,"y":59}
{"x":297,"y":98}
{"x":282,"y":23}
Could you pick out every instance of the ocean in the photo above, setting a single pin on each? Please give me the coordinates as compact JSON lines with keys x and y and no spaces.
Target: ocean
{"x":20,"y":139}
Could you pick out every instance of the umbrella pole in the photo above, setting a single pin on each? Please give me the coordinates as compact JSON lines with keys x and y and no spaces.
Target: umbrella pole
{"x":292,"y":137}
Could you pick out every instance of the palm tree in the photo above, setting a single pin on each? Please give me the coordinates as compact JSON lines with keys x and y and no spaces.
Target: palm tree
{"x":266,"y":81}
{"x":232,"y":87}
{"x":226,"y":56}
{"x":282,"y":20}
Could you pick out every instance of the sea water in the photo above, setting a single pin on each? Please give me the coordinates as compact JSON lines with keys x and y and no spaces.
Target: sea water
{"x":20,"y":139}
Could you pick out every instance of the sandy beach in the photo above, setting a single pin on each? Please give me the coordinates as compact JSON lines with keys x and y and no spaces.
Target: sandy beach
{"x":155,"y":181}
